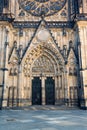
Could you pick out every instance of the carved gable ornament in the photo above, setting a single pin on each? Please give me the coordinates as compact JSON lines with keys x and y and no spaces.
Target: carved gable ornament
{"x":13,"y":57}
{"x":72,"y":58}
{"x":42,"y":36}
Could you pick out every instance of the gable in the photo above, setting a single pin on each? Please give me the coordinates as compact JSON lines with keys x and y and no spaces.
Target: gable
{"x":41,"y":36}
{"x":72,"y":59}
{"x":13,"y":58}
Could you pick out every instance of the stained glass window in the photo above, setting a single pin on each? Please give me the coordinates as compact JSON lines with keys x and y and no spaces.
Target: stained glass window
{"x":42,"y":7}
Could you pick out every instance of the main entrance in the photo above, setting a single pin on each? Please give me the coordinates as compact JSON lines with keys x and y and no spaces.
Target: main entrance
{"x":37,"y":91}
{"x":43,"y":84}
{"x":50,"y":91}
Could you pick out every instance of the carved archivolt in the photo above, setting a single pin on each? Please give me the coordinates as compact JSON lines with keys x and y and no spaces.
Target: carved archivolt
{"x":43,"y":58}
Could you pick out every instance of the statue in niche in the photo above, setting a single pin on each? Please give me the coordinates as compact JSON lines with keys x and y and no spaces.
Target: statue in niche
{"x":11,"y":72}
{"x":70,"y":71}
{"x":15,"y":71}
{"x":75,"y":71}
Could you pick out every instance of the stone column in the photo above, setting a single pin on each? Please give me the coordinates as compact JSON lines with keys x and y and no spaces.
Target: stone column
{"x":84,"y":6}
{"x":60,"y":86}
{"x":63,"y":85}
{"x":5,"y":69}
{"x":30,"y":90}
{"x":43,"y":90}
{"x":83,"y":73}
{"x":19,"y":86}
{"x":1,"y":65}
{"x":66,"y":87}
{"x":56,"y":89}
{"x":5,"y":74}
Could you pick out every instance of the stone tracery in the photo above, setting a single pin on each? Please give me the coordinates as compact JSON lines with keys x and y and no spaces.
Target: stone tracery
{"x":42,"y":7}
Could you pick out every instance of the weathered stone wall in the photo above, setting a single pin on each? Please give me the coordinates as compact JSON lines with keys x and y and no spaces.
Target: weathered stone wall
{"x":25,"y":56}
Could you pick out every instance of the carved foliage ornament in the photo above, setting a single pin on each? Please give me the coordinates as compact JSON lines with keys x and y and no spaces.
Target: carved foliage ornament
{"x":42,"y":7}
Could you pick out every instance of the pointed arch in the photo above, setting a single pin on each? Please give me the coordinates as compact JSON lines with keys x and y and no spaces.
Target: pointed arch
{"x":46,"y":51}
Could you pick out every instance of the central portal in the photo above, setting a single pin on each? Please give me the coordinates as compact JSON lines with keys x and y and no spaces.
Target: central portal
{"x":50,"y":91}
{"x":43,"y":84}
{"x":37,"y":91}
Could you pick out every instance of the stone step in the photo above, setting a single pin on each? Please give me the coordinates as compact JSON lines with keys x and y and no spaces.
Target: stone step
{"x":45,"y":107}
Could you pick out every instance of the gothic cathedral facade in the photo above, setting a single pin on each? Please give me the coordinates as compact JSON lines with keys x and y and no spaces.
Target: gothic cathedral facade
{"x":43,"y":52}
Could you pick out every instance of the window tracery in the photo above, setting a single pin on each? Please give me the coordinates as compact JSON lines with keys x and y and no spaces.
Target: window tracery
{"x":42,"y":7}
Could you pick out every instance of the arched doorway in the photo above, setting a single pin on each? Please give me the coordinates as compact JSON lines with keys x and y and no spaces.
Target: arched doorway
{"x":44,"y":69}
{"x":50,"y":91}
{"x":43,"y":84}
{"x":36,"y":91}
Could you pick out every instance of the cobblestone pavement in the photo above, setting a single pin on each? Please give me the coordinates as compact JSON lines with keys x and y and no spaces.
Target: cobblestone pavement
{"x":43,"y":119}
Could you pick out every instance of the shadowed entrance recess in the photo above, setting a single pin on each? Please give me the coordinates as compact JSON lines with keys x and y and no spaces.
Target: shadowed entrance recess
{"x":36,"y":91}
{"x":50,"y":91}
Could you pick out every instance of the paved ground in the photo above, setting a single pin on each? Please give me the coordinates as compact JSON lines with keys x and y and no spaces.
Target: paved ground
{"x":43,"y":119}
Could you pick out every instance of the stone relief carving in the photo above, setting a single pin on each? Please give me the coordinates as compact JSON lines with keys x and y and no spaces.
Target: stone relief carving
{"x":43,"y":64}
{"x":13,"y":71}
{"x":72,"y":71}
